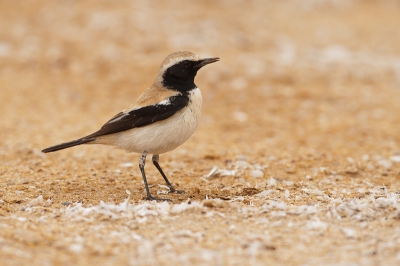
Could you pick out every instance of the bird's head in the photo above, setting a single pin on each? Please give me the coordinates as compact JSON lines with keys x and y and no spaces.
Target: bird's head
{"x":178,"y":70}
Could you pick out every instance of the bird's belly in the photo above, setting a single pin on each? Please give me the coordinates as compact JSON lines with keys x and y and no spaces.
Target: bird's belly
{"x":162,"y":136}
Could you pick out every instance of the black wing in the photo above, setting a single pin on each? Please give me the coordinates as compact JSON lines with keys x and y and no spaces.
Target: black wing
{"x":142,"y":116}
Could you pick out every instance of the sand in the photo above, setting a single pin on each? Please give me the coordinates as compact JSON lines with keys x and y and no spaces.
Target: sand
{"x":296,"y":160}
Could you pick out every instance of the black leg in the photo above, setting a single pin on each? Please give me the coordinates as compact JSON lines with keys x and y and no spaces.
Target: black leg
{"x":155,"y":159}
{"x":142,"y":163}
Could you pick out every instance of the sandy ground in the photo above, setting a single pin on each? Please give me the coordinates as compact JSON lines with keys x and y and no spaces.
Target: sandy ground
{"x":296,"y":160}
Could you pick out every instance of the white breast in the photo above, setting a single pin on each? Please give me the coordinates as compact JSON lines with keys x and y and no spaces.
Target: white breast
{"x":162,"y":136}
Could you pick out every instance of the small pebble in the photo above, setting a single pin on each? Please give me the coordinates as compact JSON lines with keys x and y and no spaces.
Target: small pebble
{"x":257,"y":173}
{"x":395,"y":158}
{"x":36,"y":201}
{"x":385,"y":163}
{"x":125,"y":165}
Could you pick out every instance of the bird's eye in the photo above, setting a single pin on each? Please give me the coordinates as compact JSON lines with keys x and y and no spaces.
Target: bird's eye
{"x":186,"y":63}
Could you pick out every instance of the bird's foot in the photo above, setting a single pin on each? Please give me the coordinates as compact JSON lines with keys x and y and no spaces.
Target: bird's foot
{"x":173,"y":190}
{"x":150,"y":197}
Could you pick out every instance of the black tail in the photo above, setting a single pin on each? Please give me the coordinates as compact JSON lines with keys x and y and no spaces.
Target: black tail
{"x":67,"y":145}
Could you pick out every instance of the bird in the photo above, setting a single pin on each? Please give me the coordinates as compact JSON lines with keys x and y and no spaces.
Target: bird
{"x":163,"y":117}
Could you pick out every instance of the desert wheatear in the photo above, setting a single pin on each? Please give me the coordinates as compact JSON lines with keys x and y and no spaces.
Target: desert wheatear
{"x":160,"y":120}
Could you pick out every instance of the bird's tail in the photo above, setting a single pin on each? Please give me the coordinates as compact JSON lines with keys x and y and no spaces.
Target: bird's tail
{"x":67,"y":145}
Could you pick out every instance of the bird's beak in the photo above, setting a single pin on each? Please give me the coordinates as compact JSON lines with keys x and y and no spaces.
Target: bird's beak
{"x":207,"y":61}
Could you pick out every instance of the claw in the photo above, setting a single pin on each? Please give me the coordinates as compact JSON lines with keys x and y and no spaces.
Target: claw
{"x":157,"y":199}
{"x":176,"y":191}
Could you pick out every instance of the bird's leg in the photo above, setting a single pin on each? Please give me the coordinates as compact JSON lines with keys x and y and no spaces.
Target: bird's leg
{"x":142,"y":163}
{"x":155,"y":159}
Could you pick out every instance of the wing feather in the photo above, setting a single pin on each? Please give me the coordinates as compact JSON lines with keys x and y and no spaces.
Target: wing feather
{"x":142,"y":116}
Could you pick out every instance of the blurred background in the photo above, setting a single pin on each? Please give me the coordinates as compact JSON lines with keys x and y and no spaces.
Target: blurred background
{"x":294,"y":75}
{"x":301,"y":114}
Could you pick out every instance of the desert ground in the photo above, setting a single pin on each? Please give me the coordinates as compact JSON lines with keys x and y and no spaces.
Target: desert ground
{"x":296,"y":160}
